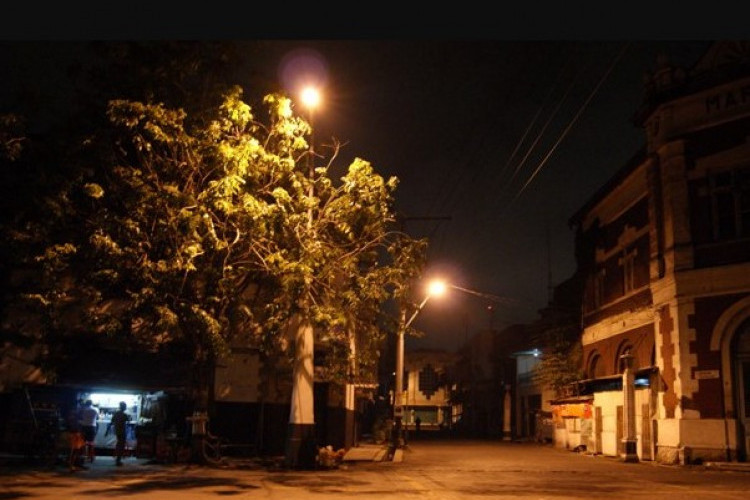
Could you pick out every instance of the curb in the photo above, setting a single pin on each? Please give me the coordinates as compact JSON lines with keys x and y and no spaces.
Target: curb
{"x":733,"y":466}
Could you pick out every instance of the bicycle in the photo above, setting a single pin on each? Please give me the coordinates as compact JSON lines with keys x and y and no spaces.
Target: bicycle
{"x":211,"y":449}
{"x":206,"y":448}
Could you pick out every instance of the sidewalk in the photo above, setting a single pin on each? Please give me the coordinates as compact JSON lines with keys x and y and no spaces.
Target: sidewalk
{"x":733,"y":466}
{"x":367,"y":452}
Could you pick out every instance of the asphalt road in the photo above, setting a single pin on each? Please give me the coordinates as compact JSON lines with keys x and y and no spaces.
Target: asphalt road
{"x":430,"y":469}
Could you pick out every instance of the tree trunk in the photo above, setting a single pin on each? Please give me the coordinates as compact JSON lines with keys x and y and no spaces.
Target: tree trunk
{"x":301,"y":449}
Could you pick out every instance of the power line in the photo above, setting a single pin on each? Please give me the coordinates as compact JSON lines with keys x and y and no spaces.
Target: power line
{"x":572,"y":122}
{"x":541,"y":132}
{"x":531,"y":124}
{"x":494,"y":298}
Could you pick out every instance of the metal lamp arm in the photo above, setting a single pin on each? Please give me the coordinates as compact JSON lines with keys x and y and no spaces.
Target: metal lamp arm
{"x":413,"y":316}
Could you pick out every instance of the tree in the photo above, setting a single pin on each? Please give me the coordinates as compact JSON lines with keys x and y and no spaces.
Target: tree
{"x":190,"y":233}
{"x":560,"y":362}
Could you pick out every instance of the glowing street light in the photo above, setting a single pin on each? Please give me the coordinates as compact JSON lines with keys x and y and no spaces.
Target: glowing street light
{"x":310,"y":97}
{"x":435,"y":288}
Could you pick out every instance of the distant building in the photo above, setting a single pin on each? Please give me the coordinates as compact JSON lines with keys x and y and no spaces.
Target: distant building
{"x":555,"y":333}
{"x":484,"y":398}
{"x":664,"y":248}
{"x":427,"y":388}
{"x":530,"y":396}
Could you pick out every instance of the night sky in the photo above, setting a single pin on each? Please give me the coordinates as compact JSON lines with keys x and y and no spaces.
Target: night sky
{"x":496,"y":144}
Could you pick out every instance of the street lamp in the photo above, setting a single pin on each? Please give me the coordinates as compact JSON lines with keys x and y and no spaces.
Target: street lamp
{"x":310,"y":97}
{"x":434,"y":289}
{"x":300,"y":444}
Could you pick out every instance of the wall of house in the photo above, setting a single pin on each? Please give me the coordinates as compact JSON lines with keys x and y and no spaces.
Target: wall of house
{"x":430,"y":399}
{"x":533,"y":401}
{"x":572,"y":423}
{"x":677,"y":220}
{"x":414,"y":397}
{"x":608,"y":340}
{"x":687,"y":441}
{"x":251,"y":406}
{"x":606,"y":436}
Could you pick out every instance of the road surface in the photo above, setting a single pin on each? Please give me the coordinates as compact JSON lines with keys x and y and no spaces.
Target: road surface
{"x":439,"y":470}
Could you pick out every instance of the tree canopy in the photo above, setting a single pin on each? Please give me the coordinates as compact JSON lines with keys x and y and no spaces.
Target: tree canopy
{"x":560,"y":363}
{"x":207,"y":232}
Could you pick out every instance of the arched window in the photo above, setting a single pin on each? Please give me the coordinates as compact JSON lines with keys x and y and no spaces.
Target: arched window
{"x":742,"y":339}
{"x":596,"y":368}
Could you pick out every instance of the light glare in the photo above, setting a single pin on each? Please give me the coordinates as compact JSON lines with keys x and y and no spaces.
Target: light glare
{"x":436,"y":288}
{"x":310,"y":97}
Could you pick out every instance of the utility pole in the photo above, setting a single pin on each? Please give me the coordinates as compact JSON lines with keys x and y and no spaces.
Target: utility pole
{"x":398,"y":440}
{"x":549,"y":266}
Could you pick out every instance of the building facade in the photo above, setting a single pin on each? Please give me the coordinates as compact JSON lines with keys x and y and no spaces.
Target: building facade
{"x":427,"y":389}
{"x":665,"y":250}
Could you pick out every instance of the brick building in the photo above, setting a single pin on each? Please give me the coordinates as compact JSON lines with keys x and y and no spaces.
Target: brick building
{"x":664,"y":248}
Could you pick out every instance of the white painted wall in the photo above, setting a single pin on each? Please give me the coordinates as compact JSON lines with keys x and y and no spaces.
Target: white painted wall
{"x":608,"y":402}
{"x":708,"y":433}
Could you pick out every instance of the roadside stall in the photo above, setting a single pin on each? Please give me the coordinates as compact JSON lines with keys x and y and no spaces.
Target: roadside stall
{"x":108,"y":403}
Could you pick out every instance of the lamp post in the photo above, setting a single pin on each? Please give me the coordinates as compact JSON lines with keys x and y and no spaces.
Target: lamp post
{"x":300,"y":446}
{"x":435,"y":288}
{"x":311,"y":99}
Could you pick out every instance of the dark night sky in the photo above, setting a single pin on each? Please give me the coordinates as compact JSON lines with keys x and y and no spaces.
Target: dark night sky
{"x":444,"y":110}
{"x":445,"y":118}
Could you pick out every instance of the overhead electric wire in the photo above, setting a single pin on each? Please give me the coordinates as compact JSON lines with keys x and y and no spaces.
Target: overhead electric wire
{"x":572,"y":122}
{"x":494,"y":298}
{"x":541,"y":132}
{"x":455,"y":183}
{"x":533,"y":122}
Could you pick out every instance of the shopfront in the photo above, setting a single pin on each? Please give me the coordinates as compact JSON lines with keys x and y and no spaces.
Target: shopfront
{"x":108,"y":403}
{"x":152,"y":414}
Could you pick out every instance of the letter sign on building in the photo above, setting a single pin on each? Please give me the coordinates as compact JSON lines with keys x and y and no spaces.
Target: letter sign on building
{"x":706,"y":374}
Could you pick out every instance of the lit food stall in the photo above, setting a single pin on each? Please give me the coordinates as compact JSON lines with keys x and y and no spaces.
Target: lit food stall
{"x":108,"y":403}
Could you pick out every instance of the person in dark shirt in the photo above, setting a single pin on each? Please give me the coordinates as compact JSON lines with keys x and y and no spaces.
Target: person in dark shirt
{"x":119,"y":424}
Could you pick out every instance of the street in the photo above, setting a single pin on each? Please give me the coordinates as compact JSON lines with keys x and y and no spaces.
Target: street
{"x":448,"y":469}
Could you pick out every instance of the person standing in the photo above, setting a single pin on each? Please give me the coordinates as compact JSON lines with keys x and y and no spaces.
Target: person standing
{"x":119,"y":423}
{"x":88,"y":417}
